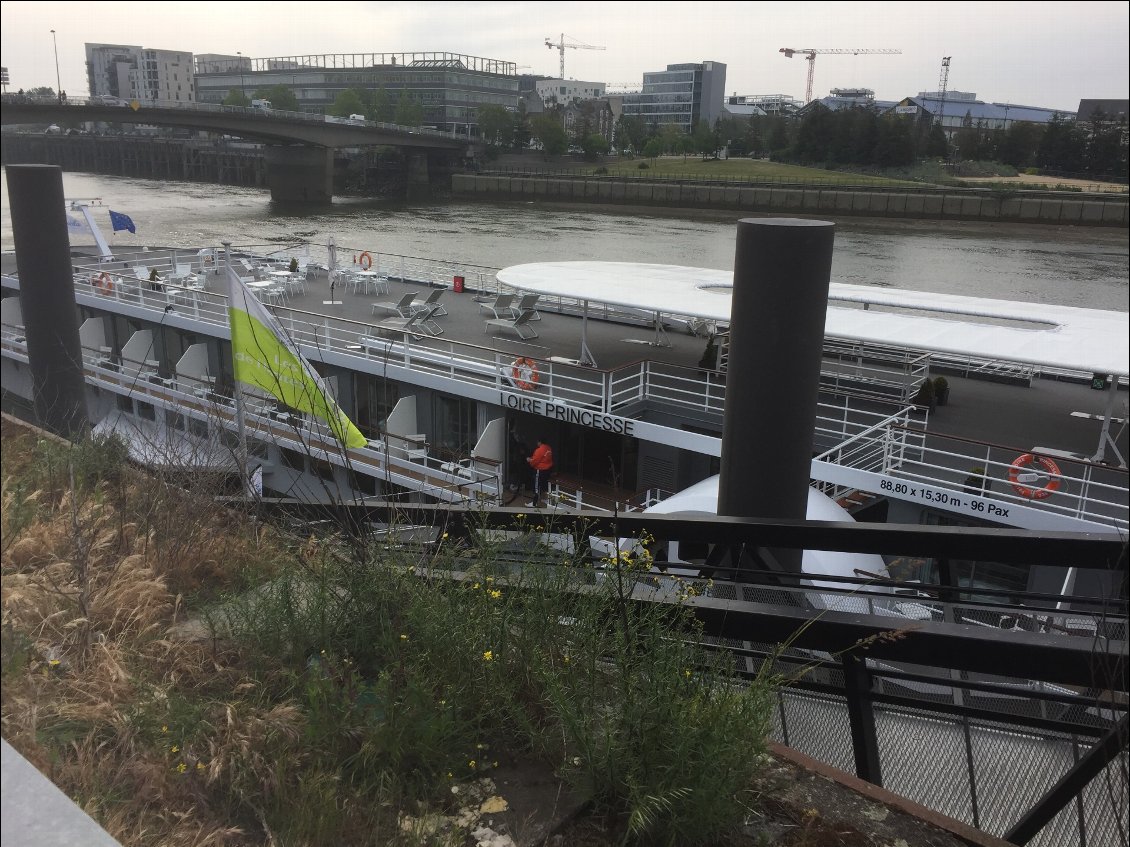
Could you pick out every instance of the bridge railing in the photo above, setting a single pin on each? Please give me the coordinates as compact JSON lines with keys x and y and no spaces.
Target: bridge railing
{"x":102,"y":101}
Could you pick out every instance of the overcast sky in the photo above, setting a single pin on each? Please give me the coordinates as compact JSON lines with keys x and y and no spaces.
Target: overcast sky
{"x":1035,"y":54}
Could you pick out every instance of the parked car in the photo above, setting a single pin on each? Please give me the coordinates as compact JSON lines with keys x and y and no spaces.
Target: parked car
{"x":107,"y":100}
{"x":53,"y":130}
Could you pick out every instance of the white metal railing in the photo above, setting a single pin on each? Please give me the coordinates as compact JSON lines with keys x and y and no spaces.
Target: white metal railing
{"x":449,"y":480}
{"x":1082,"y":490}
{"x":218,"y":108}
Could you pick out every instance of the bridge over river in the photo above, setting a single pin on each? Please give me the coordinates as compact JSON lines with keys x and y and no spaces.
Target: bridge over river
{"x":299,"y":146}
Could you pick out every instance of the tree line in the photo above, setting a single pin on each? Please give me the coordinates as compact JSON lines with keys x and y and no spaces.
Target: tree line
{"x":856,"y":137}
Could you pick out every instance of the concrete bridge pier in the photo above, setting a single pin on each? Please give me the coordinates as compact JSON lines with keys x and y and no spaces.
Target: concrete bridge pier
{"x":298,"y":174}
{"x":418,"y":185}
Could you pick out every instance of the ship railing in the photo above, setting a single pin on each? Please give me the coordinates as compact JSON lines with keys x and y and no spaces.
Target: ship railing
{"x":873,"y":369}
{"x":1082,"y":489}
{"x":402,"y":459}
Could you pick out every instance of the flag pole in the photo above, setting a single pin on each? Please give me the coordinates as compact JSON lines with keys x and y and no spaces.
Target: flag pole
{"x":241,"y":424}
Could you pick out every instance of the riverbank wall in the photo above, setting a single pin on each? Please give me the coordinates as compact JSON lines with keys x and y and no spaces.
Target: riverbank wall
{"x":1033,"y":207}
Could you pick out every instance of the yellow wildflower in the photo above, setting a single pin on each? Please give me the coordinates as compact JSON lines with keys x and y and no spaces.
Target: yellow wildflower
{"x":488,"y":655}
{"x":403,"y":637}
{"x":495,"y":594}
{"x":471,"y":764}
{"x":174,"y":749}
{"x":182,"y":767}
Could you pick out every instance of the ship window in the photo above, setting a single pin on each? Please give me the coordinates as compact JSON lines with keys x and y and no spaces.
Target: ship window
{"x":293,"y":459}
{"x":198,"y":427}
{"x":456,"y":424}
{"x":364,"y":483}
{"x":146,"y":411}
{"x":258,"y":449}
{"x":174,"y":420}
{"x":125,"y":404}
{"x":323,"y":469}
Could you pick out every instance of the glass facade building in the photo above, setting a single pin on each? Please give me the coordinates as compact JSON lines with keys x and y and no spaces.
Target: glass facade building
{"x":681,"y":96}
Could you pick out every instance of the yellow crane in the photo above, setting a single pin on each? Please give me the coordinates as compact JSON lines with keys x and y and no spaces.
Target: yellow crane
{"x":810,"y":54}
{"x":560,"y":45}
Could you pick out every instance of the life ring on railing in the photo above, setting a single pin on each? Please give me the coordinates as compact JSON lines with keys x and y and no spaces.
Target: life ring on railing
{"x":1025,"y":470}
{"x":365,"y":260}
{"x":525,"y":373}
{"x":104,"y":283}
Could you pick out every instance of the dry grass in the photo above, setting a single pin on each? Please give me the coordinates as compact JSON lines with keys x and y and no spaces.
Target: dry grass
{"x":347,"y":696}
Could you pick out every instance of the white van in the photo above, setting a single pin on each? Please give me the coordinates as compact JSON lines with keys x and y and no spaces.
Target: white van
{"x":261,"y":105}
{"x":357,"y":118}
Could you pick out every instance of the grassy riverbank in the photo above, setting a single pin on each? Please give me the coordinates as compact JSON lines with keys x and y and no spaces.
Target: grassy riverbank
{"x":193,"y":676}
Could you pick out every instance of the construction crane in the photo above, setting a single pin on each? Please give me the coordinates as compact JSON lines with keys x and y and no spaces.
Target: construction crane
{"x":810,"y":56}
{"x":561,"y":45}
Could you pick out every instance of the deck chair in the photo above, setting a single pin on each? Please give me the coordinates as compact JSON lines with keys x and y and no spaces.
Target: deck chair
{"x":520,"y":325}
{"x":527,"y":303}
{"x":420,"y":323}
{"x":502,"y":303}
{"x":431,"y":300}
{"x":402,"y":307}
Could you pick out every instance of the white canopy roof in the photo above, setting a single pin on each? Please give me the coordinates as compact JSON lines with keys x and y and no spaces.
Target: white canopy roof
{"x":1031,"y":333}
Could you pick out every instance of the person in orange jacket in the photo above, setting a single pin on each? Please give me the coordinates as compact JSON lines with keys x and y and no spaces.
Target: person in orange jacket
{"x":541,"y":460}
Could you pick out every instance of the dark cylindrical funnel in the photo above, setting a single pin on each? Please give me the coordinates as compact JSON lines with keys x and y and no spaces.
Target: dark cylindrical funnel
{"x":781,"y":274}
{"x":47,"y":296}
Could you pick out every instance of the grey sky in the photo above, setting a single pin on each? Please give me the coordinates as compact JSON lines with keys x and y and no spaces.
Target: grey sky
{"x":1036,"y":54}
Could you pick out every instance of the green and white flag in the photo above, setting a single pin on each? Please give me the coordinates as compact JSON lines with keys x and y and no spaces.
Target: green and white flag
{"x":265,"y":357}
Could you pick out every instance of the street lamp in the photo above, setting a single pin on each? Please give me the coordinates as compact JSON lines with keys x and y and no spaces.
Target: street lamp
{"x":242,"y":89}
{"x":58,"y":84}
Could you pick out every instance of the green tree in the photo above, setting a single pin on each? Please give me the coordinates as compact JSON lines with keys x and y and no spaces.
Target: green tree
{"x":894,"y":144}
{"x":704,"y":141}
{"x":816,"y":135}
{"x":281,"y":97}
{"x":653,"y":148}
{"x":348,"y":102}
{"x":936,"y":145}
{"x":408,"y":112}
{"x":521,"y":133}
{"x":1017,"y":145}
{"x":548,"y":131}
{"x":496,"y":126}
{"x":381,"y":107}
{"x":778,"y":134}
{"x":1106,"y":146}
{"x":594,"y":145}
{"x":237,"y":98}
{"x":631,"y":133}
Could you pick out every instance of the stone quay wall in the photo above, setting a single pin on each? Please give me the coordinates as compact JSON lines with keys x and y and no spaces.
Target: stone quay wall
{"x":1038,"y":207}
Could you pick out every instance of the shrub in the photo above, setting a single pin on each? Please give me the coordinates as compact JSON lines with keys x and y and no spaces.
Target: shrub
{"x":293,"y":266}
{"x":601,"y":171}
{"x":643,"y":166}
{"x":925,"y":395}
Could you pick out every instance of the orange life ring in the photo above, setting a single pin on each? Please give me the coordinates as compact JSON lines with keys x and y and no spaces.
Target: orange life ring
{"x":1025,"y":470}
{"x":525,"y":373}
{"x":104,"y":283}
{"x":366,"y":261}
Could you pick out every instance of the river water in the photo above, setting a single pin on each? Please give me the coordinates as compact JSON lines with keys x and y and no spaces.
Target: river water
{"x":1072,"y":266}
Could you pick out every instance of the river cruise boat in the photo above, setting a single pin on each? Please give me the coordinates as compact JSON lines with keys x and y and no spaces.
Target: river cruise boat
{"x":453,"y":372}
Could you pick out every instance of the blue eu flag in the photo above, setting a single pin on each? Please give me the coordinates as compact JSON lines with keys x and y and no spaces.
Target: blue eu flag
{"x":119,"y":221}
